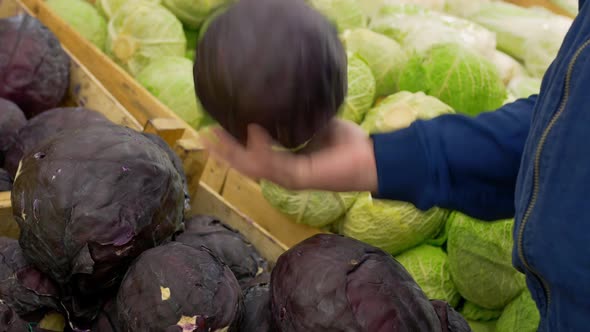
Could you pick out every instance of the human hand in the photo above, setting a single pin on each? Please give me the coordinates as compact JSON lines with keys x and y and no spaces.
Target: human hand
{"x":340,"y":158}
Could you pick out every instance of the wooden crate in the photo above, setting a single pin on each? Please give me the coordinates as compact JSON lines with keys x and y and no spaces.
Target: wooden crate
{"x":139,"y":102}
{"x":87,"y":90}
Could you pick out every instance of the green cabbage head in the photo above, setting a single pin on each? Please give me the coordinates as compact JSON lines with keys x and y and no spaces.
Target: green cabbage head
{"x":393,"y":226}
{"x":142,"y":31}
{"x":193,"y":13}
{"x":361,"y":90}
{"x":474,"y":312}
{"x":108,"y":8}
{"x":524,"y":86}
{"x":463,"y":79}
{"x":83,"y":18}
{"x":480,"y":259}
{"x":533,"y":35}
{"x":344,"y":14}
{"x":310,"y":207}
{"x":478,"y":326}
{"x":417,"y":29}
{"x":170,"y":79}
{"x":399,"y":110}
{"x":429,"y":267}
{"x":385,"y":57}
{"x":520,"y":315}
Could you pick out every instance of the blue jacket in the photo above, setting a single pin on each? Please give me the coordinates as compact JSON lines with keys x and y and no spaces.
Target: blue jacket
{"x":528,"y":160}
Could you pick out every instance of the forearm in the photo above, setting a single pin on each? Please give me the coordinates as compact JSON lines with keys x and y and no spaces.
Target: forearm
{"x":456,"y":162}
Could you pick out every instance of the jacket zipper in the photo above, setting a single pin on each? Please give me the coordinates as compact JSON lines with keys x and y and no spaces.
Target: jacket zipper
{"x":537,"y":160}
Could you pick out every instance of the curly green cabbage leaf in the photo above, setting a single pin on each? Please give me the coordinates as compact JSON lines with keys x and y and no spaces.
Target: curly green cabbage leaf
{"x":344,"y":14}
{"x":429,"y":267}
{"x":532,"y":35}
{"x":463,"y":79}
{"x":474,"y":312}
{"x":142,"y":31}
{"x":399,"y":110}
{"x":108,"y":8}
{"x":392,"y":226}
{"x":361,"y":90}
{"x":310,"y":207}
{"x":520,"y":315}
{"x":385,"y":57}
{"x":477,"y":326}
{"x":480,"y":259}
{"x":417,"y":29}
{"x":170,"y":79}
{"x":524,"y":86}
{"x":83,"y":18}
{"x":193,"y":13}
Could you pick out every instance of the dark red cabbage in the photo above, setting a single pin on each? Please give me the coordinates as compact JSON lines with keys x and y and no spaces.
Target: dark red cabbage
{"x":45,"y":126}
{"x":107,"y":320}
{"x":175,"y":161}
{"x":333,"y":283}
{"x":12,"y":120}
{"x":257,"y":316}
{"x":10,"y":320}
{"x":5,"y":181}
{"x":176,"y":288}
{"x":88,"y":202}
{"x":450,"y":319}
{"x":22,"y":286}
{"x":34,"y":69}
{"x":226,"y":243}
{"x":279,"y":64}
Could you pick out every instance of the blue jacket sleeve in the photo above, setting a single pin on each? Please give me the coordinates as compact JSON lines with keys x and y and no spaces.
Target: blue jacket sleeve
{"x":467,"y":164}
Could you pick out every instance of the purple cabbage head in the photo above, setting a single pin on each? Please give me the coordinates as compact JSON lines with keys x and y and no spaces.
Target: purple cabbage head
{"x":450,"y":319}
{"x":22,"y":286}
{"x":257,"y":316}
{"x":177,"y":288}
{"x":45,"y":126}
{"x":333,"y":283}
{"x":12,"y":120}
{"x":34,"y":69}
{"x":226,"y":243}
{"x":5,"y":181}
{"x":88,"y":202}
{"x":244,"y":74}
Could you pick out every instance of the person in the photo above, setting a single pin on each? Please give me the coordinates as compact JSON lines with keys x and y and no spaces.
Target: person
{"x":528,"y":160}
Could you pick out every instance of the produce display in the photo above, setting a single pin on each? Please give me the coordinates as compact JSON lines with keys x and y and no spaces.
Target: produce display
{"x":104,"y":241}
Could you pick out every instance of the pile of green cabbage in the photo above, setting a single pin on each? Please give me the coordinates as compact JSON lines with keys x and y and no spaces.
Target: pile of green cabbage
{"x":416,"y":60}
{"x":153,"y":40}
